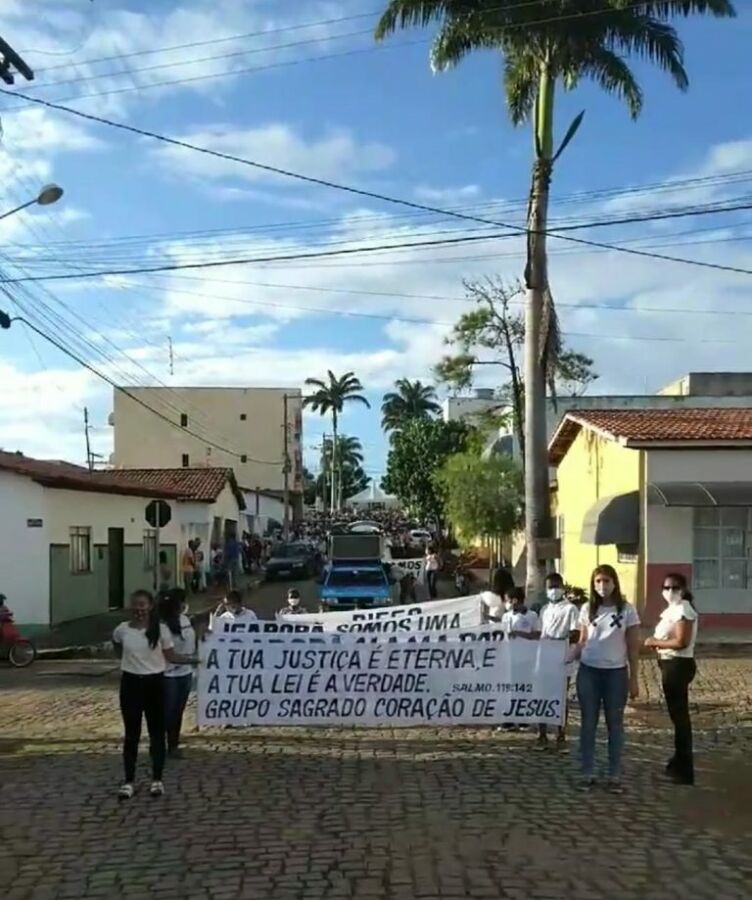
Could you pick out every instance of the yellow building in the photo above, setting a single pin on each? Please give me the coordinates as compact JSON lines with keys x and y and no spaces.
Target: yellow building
{"x":657,"y":491}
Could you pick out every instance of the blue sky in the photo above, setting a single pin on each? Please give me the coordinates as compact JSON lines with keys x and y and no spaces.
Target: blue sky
{"x":377,"y":119}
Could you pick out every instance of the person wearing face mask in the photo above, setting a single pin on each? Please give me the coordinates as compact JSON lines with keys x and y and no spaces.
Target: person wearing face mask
{"x":674,"y":638}
{"x":608,"y":651}
{"x":294,"y":606}
{"x":492,"y":599}
{"x":559,"y":621}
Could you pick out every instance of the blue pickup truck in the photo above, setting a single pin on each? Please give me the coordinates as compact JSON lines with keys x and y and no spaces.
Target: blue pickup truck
{"x":355,"y":576}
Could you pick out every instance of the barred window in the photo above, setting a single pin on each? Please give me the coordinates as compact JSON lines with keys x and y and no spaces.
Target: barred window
{"x":150,"y":549}
{"x":80,"y":549}
{"x":722,"y":541}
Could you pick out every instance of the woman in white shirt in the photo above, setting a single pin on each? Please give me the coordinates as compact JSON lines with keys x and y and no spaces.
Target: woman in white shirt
{"x":144,"y":646}
{"x":178,"y":678}
{"x":609,"y":658}
{"x":492,"y":599}
{"x":432,"y":565}
{"x":674,"y":639}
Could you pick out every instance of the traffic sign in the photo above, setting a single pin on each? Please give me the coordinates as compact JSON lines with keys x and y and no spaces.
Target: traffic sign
{"x":158,"y":513}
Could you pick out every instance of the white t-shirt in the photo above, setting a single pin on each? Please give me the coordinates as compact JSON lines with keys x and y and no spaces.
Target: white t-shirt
{"x":558,"y":619}
{"x":606,"y":637}
{"x":492,"y":603}
{"x":517,"y":621}
{"x":671,"y":616}
{"x":245,"y":615}
{"x":432,"y":563}
{"x":138,"y":657}
{"x":185,"y":645}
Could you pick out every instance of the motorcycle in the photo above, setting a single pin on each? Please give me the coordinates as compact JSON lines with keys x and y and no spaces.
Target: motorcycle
{"x":18,"y":650}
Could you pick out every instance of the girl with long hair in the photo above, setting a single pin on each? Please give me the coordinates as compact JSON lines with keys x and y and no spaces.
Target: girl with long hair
{"x":144,"y":646}
{"x":178,"y":677}
{"x":674,"y":639}
{"x":608,"y":650}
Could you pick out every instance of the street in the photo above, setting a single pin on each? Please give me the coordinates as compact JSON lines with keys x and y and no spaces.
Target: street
{"x":429,"y":813}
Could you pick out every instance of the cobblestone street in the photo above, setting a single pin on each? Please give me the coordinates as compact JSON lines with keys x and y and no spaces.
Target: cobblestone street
{"x":393,"y":815}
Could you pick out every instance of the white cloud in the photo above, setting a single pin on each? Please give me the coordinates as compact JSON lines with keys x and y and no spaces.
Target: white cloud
{"x":447,"y":195}
{"x":39,"y":131}
{"x":335,"y":155}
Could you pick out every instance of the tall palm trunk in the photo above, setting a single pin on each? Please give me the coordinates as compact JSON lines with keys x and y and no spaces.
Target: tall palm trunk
{"x":334,"y":461}
{"x":537,"y":500}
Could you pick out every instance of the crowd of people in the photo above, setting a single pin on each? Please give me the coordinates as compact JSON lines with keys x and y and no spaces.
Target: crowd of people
{"x":157,"y":649}
{"x":605,"y":640}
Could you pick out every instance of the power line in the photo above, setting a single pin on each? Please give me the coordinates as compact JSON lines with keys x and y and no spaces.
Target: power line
{"x":373,"y":195}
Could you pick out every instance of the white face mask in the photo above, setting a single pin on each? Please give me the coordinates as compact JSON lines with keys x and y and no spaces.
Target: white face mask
{"x":508,"y":605}
{"x":672,"y":596}
{"x":604,"y":590}
{"x":554,"y":594}
{"x":293,"y":601}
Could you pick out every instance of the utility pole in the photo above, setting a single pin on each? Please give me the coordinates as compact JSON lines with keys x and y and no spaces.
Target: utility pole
{"x":286,"y":469}
{"x":89,"y":456}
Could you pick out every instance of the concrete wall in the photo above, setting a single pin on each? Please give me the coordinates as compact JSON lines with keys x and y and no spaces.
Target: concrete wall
{"x":24,"y":561}
{"x":142,"y":440}
{"x":594,"y":468}
{"x":712,"y":384}
{"x":715,"y":464}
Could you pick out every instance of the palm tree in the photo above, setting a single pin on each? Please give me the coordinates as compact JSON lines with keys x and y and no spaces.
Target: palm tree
{"x":548,"y":44}
{"x":330,"y":397}
{"x":411,"y":400}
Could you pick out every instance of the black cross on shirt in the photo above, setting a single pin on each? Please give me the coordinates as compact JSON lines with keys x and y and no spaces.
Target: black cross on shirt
{"x":617,"y":619}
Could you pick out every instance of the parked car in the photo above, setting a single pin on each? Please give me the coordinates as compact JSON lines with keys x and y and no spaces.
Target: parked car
{"x":355,"y":585}
{"x":420,"y":536}
{"x":297,"y":560}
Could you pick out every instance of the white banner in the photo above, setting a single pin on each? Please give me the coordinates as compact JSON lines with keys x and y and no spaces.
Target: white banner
{"x":435,"y":615}
{"x":315,"y":634}
{"x":254,"y":681}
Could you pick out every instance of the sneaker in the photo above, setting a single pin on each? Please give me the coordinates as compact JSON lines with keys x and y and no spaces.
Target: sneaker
{"x":156,"y":789}
{"x":587,"y":783}
{"x":561,"y":742}
{"x":615,"y":786}
{"x":125,"y":792}
{"x":541,"y":745}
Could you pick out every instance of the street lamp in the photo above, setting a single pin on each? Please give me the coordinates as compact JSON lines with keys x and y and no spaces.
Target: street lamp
{"x":49,"y":194}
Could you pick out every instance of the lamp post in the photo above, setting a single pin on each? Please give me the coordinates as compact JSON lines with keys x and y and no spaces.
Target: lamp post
{"x":48,"y":195}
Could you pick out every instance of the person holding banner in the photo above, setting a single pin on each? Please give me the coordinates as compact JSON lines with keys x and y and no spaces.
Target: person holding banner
{"x":492,"y":600}
{"x":608,"y":650}
{"x":144,"y":646}
{"x":178,"y":678}
{"x":293,"y":607}
{"x":232,"y":609}
{"x":559,"y":621}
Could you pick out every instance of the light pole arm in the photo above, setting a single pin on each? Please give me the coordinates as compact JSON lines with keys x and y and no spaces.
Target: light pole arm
{"x":12,"y":212}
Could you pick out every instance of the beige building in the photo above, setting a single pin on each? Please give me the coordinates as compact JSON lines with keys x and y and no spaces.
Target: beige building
{"x":238,"y":428}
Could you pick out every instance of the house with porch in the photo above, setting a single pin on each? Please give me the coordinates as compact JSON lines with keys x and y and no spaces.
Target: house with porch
{"x":657,"y":491}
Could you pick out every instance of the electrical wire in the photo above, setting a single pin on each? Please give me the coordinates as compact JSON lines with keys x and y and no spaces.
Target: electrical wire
{"x":373,"y":195}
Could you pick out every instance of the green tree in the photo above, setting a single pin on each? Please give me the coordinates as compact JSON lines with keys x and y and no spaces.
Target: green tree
{"x":496,"y":331}
{"x":330,"y":397}
{"x":545,"y":45}
{"x":417,"y":453}
{"x":411,"y":400}
{"x":309,"y":487}
{"x":483,"y":497}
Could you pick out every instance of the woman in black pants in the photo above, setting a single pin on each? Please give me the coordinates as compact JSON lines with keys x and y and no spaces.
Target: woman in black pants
{"x":178,"y":679}
{"x":144,"y":647}
{"x":674,"y":639}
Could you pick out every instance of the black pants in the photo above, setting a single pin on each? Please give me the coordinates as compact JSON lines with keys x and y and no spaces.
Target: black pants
{"x":431,"y":577}
{"x":177,"y":690}
{"x":677,"y":675}
{"x":143,"y":695}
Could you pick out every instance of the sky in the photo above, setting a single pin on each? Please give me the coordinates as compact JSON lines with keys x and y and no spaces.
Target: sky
{"x":301,"y":85}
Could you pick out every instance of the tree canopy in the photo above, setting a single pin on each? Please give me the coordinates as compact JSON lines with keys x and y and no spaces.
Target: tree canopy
{"x":411,"y":400}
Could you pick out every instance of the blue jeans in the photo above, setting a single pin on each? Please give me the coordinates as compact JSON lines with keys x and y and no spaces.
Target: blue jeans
{"x":176,"y":693}
{"x":610,"y":688}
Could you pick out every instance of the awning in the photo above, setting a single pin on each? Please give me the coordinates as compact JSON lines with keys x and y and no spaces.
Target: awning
{"x":613,"y":520}
{"x":700,"y":493}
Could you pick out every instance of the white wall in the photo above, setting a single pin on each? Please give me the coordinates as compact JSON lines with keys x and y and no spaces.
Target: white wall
{"x":700,"y":465}
{"x":24,"y":554}
{"x":669,"y":534}
{"x":101,"y":512}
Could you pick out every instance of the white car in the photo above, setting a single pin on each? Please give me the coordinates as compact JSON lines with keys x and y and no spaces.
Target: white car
{"x":365,"y":528}
{"x":420,"y":536}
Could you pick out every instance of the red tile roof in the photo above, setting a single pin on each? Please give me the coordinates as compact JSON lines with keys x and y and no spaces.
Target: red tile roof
{"x":202,"y":484}
{"x":58,"y":474}
{"x":643,"y":427}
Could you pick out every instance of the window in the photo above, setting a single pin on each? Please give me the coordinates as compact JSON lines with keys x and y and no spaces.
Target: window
{"x":722,"y":540}
{"x":243,"y":417}
{"x":183,"y":420}
{"x":150,"y":549}
{"x":243,"y":458}
{"x":186,"y":460}
{"x":80,"y":549}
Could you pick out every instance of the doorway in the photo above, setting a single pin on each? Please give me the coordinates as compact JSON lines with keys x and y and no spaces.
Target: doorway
{"x":116,"y":567}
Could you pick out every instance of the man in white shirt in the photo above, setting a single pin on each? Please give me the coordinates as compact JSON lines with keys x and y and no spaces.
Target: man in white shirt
{"x":232,"y":611}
